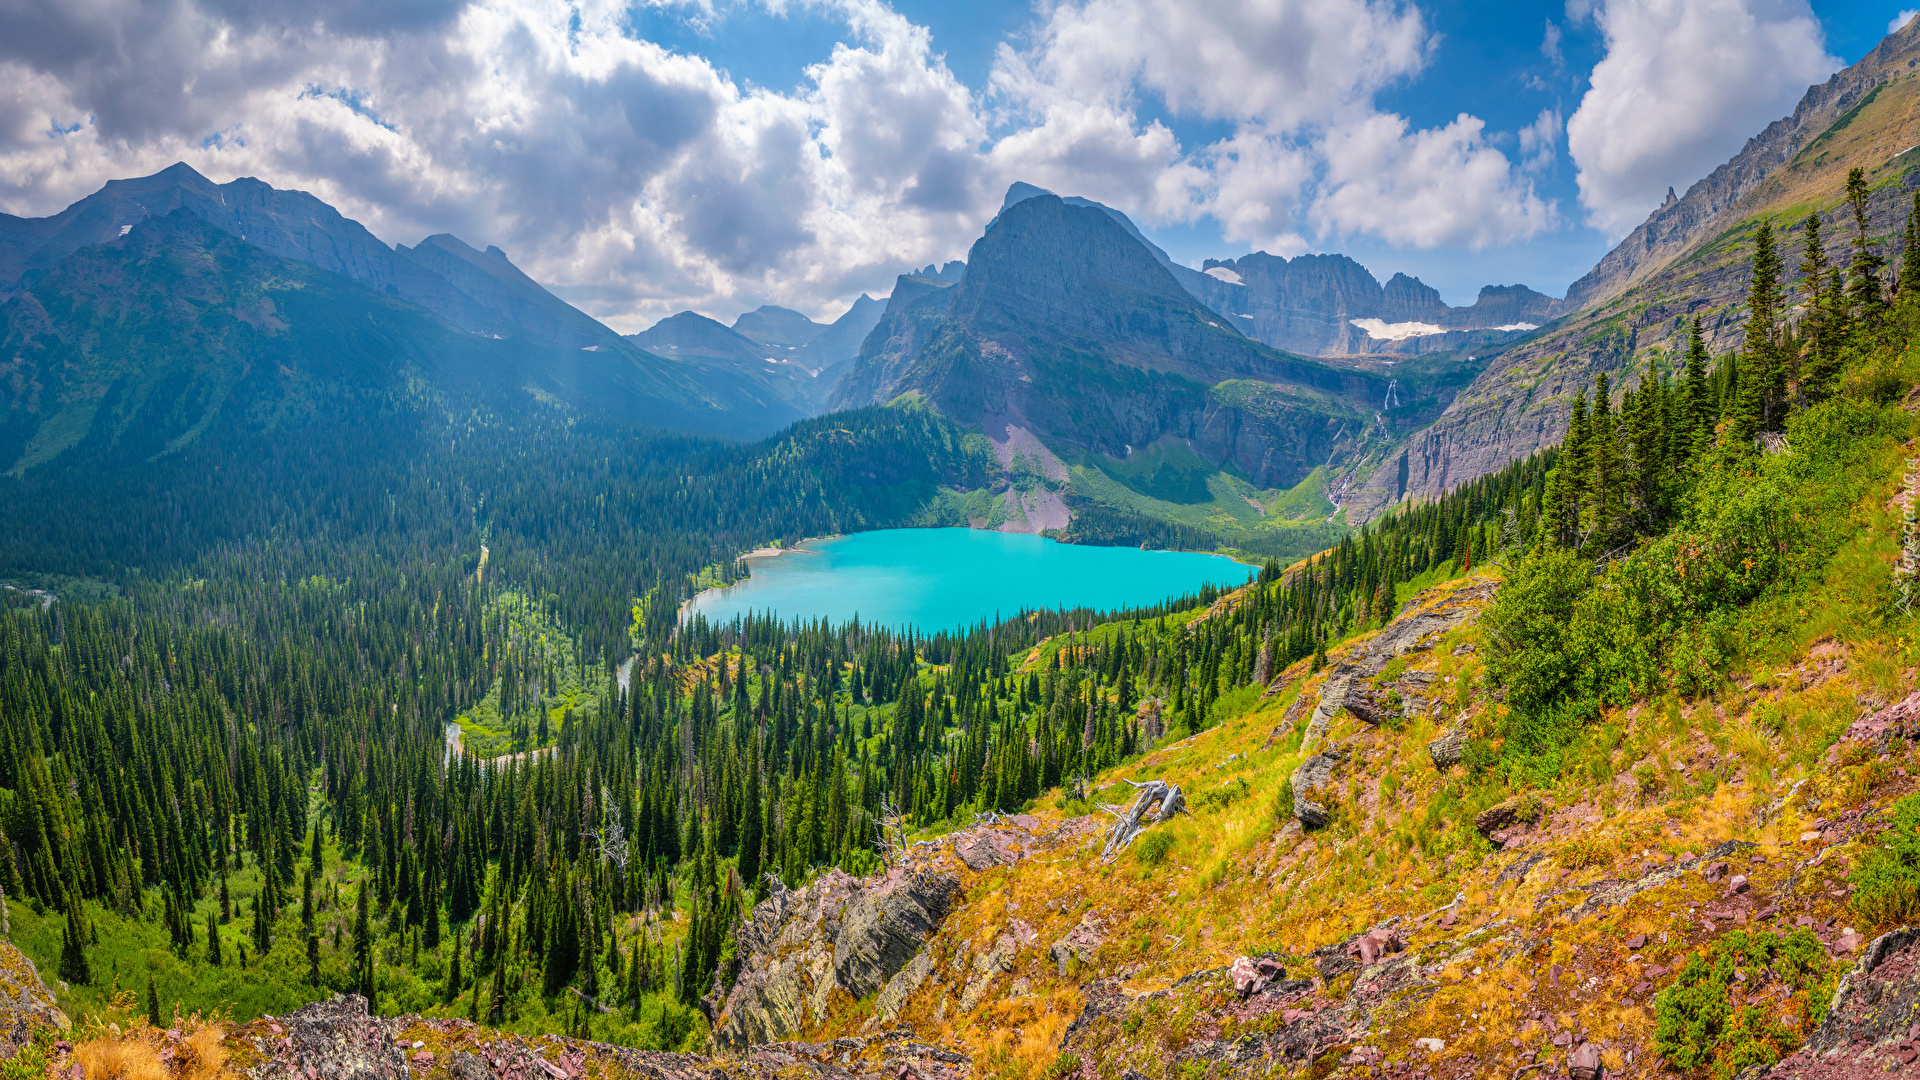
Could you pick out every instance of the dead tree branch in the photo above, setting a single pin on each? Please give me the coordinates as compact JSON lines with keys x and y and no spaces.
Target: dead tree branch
{"x":1158,"y":801}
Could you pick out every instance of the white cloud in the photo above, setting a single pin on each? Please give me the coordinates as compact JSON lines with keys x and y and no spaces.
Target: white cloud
{"x":1540,"y":141}
{"x":1903,"y":18}
{"x":1296,"y":80}
{"x":638,"y":181}
{"x":1683,"y":85}
{"x":1431,"y":188}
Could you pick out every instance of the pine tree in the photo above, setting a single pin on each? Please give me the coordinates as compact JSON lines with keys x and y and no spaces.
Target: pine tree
{"x":1864,"y":288}
{"x":213,"y":942}
{"x":453,"y":973}
{"x":1824,"y":326}
{"x":1763,"y":372}
{"x":153,"y":1004}
{"x":363,"y":946}
{"x":1567,"y":484}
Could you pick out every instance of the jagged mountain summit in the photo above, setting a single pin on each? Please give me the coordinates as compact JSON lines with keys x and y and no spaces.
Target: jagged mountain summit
{"x":164,"y":307}
{"x":1330,"y":305}
{"x":1067,"y":329}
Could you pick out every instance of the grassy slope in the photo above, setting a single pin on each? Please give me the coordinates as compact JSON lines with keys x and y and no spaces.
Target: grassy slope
{"x":1657,"y":779}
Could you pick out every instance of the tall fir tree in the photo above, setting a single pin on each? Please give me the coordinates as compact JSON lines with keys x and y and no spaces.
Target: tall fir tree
{"x":1763,"y":368}
{"x":1823,"y":327}
{"x":1910,"y":250}
{"x":1700,"y":412}
{"x":363,"y":945}
{"x":1863,"y":286}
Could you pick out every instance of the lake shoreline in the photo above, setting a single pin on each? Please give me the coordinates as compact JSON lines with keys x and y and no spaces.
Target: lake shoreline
{"x":926,"y":587}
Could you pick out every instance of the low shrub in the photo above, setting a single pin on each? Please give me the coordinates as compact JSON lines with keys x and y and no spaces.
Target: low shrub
{"x":1886,"y":883}
{"x":1697,"y":1026}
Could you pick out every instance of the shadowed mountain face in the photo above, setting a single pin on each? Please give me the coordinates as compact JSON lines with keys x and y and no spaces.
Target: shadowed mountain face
{"x":135,"y":348}
{"x":552,"y":350}
{"x":1315,"y":305}
{"x":1065,"y":325}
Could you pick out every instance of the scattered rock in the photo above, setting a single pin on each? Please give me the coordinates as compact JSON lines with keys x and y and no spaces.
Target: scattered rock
{"x":1079,"y":944}
{"x":1308,"y":781}
{"x":1431,"y":1046}
{"x":1448,"y":750}
{"x":1250,"y":976}
{"x":336,"y":1038}
{"x":1585,"y":1062}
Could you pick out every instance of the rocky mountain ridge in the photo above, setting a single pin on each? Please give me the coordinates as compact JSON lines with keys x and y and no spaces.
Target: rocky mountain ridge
{"x":1691,"y":259}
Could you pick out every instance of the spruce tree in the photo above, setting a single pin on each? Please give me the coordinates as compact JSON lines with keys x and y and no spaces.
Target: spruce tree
{"x":453,"y":973}
{"x":153,"y":1004}
{"x":1763,"y":372}
{"x":213,"y":942}
{"x":1864,"y":287}
{"x":1824,"y":326}
{"x":73,"y":946}
{"x":1700,"y":413}
{"x":363,"y":946}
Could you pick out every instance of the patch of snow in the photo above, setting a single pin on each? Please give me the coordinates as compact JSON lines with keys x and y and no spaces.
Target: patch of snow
{"x":1400,"y":331}
{"x":125,"y":229}
{"x":589,"y":348}
{"x":1221,"y":273}
{"x":1519,"y":326}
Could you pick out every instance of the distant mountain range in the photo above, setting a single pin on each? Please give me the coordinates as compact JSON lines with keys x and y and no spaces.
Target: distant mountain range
{"x":1250,"y":392}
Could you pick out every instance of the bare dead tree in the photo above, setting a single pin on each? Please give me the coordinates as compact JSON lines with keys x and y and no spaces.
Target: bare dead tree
{"x":610,"y":842}
{"x":890,"y":837}
{"x":1158,"y":801}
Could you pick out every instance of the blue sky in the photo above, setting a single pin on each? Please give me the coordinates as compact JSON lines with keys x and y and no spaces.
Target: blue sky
{"x":643,"y":157}
{"x":1489,"y":61}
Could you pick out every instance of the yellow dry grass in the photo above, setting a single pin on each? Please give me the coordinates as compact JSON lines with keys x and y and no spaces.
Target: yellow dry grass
{"x":119,"y":1058}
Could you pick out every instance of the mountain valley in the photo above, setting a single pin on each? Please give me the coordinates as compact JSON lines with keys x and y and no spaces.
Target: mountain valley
{"x":363,"y":712}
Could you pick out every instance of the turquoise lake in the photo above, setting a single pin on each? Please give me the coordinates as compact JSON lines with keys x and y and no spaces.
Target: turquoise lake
{"x":939,"y":579}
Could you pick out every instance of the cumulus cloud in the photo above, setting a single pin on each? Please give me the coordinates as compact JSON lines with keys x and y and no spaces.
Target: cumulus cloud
{"x":1683,"y":85}
{"x":1296,"y":80}
{"x":638,"y":180}
{"x":1901,"y":19}
{"x":1426,"y":188}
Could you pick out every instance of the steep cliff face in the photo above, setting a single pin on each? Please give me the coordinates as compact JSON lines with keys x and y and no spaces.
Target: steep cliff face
{"x":1067,"y":326}
{"x":491,"y":280}
{"x":1330,"y":305}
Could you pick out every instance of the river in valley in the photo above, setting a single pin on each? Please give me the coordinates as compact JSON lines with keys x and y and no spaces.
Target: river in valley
{"x":940,"y":579}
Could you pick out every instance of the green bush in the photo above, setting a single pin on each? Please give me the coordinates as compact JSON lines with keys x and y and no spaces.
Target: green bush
{"x":1154,"y":847}
{"x":1696,"y":1026}
{"x":1886,"y":884}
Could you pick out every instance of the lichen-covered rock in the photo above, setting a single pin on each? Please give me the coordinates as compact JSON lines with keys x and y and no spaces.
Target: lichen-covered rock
{"x":25,"y":1002}
{"x":841,"y":932}
{"x":336,"y":1038}
{"x":1079,"y":944}
{"x":1310,"y":805}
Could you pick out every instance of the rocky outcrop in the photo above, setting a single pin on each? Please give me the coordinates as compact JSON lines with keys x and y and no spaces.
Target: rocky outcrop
{"x":1313,"y":799}
{"x":840,"y":933}
{"x":336,"y":1038}
{"x":1873,"y":1023}
{"x":26,"y":1005}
